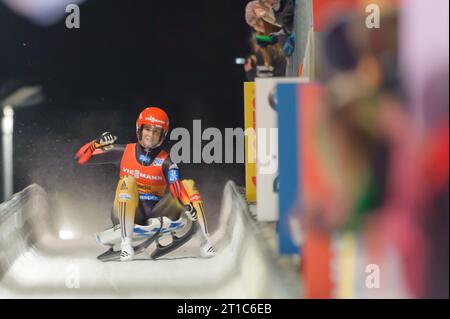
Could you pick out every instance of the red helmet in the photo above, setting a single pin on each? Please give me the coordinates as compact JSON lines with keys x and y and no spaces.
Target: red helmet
{"x":153,"y":116}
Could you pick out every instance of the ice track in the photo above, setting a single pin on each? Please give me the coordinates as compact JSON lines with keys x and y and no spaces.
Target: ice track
{"x":36,"y":263}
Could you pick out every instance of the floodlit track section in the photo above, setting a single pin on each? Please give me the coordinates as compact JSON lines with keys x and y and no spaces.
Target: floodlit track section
{"x":36,"y":263}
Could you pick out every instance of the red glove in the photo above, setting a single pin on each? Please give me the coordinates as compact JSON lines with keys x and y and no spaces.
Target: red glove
{"x":86,"y":151}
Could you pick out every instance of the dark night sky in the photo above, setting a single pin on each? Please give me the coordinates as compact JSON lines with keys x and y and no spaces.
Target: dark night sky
{"x":127,"y":55}
{"x":132,"y":53}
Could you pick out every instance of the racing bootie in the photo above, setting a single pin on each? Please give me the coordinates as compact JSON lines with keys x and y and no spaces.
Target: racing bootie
{"x":127,"y":251}
{"x":207,"y":250}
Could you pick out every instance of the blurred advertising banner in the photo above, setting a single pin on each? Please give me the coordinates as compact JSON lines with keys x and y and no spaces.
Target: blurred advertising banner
{"x":250,"y":141}
{"x":289,"y":233}
{"x":267,"y":182}
{"x":267,"y":150}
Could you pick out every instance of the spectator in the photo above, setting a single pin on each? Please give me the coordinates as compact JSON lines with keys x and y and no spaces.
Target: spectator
{"x":260,"y":16}
{"x":284,"y":14}
{"x":273,"y":18}
{"x":266,"y":61}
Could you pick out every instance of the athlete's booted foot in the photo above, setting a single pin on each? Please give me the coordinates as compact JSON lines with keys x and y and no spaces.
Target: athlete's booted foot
{"x":207,"y":250}
{"x":127,"y":252}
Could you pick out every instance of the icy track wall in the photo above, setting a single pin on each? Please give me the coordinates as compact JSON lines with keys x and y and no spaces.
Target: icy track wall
{"x":254,"y":264}
{"x":23,"y":221}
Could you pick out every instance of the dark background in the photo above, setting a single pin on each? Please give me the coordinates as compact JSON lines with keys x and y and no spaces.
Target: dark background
{"x":127,"y":55}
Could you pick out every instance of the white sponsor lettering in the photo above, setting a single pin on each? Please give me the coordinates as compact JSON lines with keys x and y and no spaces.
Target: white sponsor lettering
{"x":138,"y":174}
{"x":152,"y":119}
{"x":125,"y":196}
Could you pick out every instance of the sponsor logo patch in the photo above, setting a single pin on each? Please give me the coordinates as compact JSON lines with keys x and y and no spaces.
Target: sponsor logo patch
{"x":125,"y":196}
{"x":137,"y":174}
{"x":174,"y":175}
{"x":149,"y":197}
{"x":158,"y":162}
{"x":195,"y":198}
{"x":144,"y":159}
{"x":152,"y":119}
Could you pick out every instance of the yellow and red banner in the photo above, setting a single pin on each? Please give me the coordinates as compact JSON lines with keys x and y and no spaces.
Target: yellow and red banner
{"x":250,"y":140}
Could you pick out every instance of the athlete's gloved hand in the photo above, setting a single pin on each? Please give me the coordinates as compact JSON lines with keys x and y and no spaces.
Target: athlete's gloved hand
{"x":105,"y":139}
{"x":191,"y":212}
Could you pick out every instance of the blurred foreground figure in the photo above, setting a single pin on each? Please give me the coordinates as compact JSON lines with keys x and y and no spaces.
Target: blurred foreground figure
{"x":386,"y":202}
